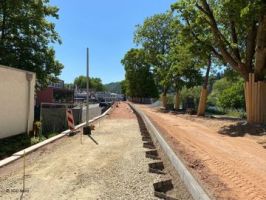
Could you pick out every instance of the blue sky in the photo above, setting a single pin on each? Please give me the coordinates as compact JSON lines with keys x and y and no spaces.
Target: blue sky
{"x":106,"y":27}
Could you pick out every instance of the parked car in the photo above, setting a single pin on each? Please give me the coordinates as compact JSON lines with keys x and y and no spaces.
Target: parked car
{"x":104,"y":103}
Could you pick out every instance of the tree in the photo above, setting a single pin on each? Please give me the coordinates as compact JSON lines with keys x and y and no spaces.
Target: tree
{"x":94,"y":83}
{"x":199,"y":35}
{"x":228,"y":92}
{"x":25,"y":35}
{"x":69,"y":85}
{"x":139,"y":80}
{"x":238,"y":29}
{"x":155,"y":36}
{"x":185,"y":66}
{"x":81,"y":82}
{"x":232,"y":97}
{"x":123,"y":87}
{"x":114,"y":87}
{"x":218,"y":87}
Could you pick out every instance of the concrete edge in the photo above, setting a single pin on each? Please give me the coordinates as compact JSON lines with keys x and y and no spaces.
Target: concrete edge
{"x":192,"y":185}
{"x":32,"y":148}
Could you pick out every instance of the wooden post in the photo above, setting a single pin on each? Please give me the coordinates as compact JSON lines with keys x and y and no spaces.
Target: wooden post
{"x":255,"y":102}
{"x":24,"y":171}
{"x":246,"y":99}
{"x":253,"y":99}
{"x":177,"y":100}
{"x":263,"y":101}
{"x":259,"y":103}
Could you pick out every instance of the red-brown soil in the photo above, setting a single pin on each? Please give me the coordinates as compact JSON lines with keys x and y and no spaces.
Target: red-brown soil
{"x":228,"y":167}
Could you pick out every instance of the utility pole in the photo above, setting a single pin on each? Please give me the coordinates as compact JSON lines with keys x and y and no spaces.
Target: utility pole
{"x":87,"y":128}
{"x":87,"y":109}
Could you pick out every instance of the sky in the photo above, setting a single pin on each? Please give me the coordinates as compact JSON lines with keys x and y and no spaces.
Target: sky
{"x":106,"y":27}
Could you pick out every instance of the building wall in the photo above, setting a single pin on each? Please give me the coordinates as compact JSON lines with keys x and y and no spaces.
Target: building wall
{"x":14,"y":101}
{"x":45,"y":96}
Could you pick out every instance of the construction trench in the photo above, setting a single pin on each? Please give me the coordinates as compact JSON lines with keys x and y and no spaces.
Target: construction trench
{"x":121,"y":160}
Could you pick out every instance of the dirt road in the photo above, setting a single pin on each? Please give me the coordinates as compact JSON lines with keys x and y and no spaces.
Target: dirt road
{"x":114,"y":168}
{"x":230,"y":167}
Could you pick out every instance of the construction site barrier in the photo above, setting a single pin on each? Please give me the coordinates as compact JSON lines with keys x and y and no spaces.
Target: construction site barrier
{"x":70,"y":119}
{"x":255,"y":96}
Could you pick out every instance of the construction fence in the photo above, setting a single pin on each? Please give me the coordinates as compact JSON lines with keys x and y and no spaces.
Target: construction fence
{"x":53,"y":116}
{"x":255,"y":96}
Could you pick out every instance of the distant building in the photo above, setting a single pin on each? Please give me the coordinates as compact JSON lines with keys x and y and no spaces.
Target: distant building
{"x":55,"y":93}
{"x":80,"y":95}
{"x":58,"y":84}
{"x":108,"y":96}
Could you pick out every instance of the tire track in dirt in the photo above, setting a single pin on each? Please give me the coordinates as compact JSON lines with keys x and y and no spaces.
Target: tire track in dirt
{"x":237,"y":169}
{"x":243,"y":184}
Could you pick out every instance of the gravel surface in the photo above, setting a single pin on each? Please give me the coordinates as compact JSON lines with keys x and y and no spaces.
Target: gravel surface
{"x":114,"y":168}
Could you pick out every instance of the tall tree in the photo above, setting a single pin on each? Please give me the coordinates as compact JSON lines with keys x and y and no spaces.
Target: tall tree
{"x":185,"y":66}
{"x":94,"y":83}
{"x":155,"y":36}
{"x":194,"y":31}
{"x":139,"y":79}
{"x":238,"y":29}
{"x":25,"y":35}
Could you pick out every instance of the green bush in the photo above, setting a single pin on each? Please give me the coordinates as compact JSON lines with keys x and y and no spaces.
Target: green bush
{"x":192,"y":92}
{"x":11,"y":145}
{"x":232,"y":97}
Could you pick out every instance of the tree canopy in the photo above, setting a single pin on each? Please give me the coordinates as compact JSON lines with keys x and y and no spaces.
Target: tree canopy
{"x":25,"y":36}
{"x":139,"y":79}
{"x":237,"y":31}
{"x":94,"y":83}
{"x":155,"y":36}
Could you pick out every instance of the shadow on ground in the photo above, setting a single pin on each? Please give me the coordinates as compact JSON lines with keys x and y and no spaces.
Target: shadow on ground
{"x":242,"y":128}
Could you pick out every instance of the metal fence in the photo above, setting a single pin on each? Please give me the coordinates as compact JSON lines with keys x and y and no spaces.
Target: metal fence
{"x":53,"y":115}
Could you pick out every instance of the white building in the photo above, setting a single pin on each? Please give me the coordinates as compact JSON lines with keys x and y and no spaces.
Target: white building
{"x":16,"y":101}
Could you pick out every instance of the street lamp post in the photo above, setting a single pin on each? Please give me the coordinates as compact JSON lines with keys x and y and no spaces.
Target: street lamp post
{"x":87,"y":128}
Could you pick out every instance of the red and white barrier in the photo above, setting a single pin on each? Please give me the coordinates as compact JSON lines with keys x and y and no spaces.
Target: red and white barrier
{"x":70,"y":119}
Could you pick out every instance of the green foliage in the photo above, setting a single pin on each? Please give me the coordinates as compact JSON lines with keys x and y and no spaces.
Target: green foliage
{"x":113,"y":87}
{"x":175,"y":61}
{"x":231,"y":30}
{"x":228,"y":93}
{"x":94,"y":83}
{"x":233,"y":96}
{"x":185,"y":67}
{"x":190,"y":92}
{"x":16,"y":143}
{"x":139,"y":79}
{"x":218,"y":87}
{"x":155,"y":35}
{"x":123,"y":87}
{"x":69,"y":85}
{"x":25,"y":36}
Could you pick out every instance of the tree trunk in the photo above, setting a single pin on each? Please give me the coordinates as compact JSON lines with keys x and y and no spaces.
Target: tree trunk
{"x":202,"y":102}
{"x":4,"y":20}
{"x":164,"y":99}
{"x":260,"y":55}
{"x":204,"y":92}
{"x":177,"y":102}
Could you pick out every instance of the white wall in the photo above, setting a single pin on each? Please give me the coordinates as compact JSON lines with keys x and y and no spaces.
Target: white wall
{"x":14,"y":101}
